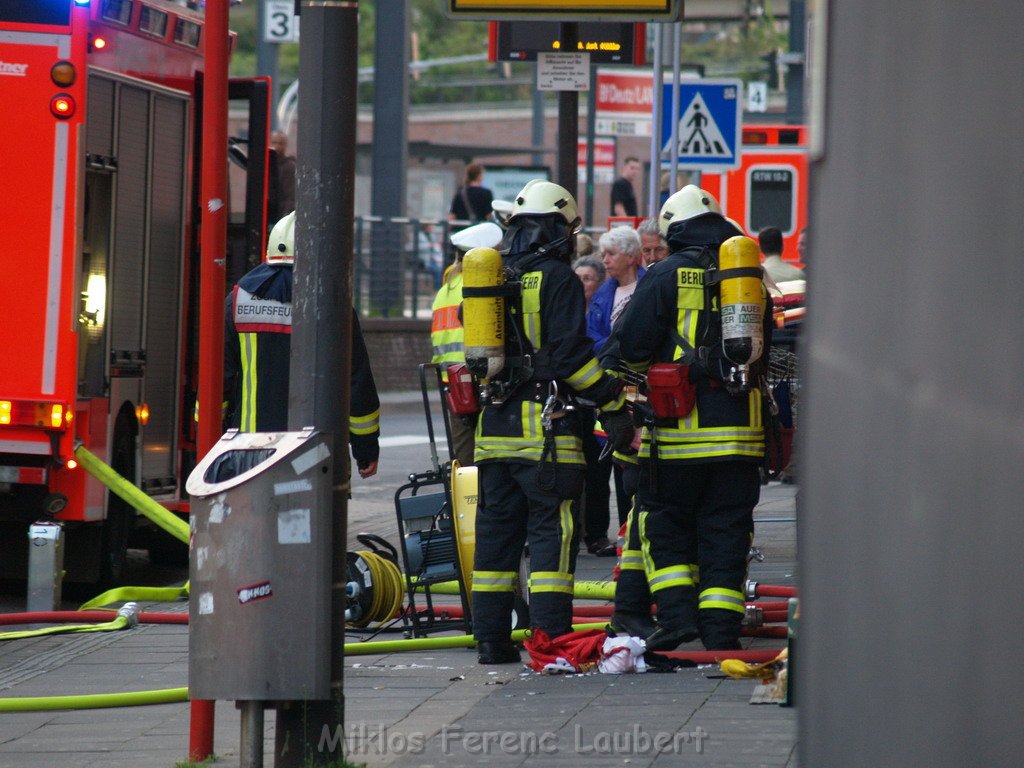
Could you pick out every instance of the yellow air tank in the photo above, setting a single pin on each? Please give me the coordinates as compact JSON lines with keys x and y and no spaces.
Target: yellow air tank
{"x":742,"y":301}
{"x":483,"y":317}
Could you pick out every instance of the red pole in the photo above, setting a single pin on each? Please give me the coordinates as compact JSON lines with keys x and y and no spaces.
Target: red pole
{"x":213,"y":245}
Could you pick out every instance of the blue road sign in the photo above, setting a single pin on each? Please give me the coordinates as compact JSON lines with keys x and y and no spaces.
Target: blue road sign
{"x":708,"y":124}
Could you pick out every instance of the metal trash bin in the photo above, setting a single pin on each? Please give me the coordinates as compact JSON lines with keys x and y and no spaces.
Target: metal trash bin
{"x":260,"y":568}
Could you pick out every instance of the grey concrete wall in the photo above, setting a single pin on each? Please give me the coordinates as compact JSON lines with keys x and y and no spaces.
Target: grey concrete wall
{"x":913,"y":433}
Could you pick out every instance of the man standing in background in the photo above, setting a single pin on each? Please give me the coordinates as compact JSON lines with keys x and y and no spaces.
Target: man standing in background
{"x":623,"y":194}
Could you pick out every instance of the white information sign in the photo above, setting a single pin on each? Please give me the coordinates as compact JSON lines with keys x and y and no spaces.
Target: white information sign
{"x":563,"y":71}
{"x":280,"y":24}
{"x":757,"y":96}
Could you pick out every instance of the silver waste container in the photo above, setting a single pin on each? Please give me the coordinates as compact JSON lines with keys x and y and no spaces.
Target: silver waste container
{"x":259,"y":598}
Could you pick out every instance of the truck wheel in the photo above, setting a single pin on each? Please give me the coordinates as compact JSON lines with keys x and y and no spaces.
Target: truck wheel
{"x":120,"y":515}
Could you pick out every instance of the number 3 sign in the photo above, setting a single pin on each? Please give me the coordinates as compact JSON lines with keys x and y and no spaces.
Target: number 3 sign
{"x":280,"y":24}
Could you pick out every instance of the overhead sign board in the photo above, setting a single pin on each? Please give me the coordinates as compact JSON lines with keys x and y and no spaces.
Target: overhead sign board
{"x":606,"y":42}
{"x":707,"y":126}
{"x":566,"y":10}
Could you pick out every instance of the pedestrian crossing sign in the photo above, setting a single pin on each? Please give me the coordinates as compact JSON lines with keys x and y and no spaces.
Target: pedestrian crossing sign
{"x":707,"y":130}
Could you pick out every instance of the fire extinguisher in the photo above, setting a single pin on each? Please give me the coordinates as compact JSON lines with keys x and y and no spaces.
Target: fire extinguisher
{"x":742,"y":306}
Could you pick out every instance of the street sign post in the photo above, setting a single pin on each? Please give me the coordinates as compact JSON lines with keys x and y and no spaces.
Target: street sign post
{"x":708,"y":125}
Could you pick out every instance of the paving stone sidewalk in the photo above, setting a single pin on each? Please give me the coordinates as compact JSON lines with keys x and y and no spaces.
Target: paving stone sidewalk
{"x":417,"y":709}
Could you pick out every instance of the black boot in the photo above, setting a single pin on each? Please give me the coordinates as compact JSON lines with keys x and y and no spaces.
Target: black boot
{"x":633,"y":624}
{"x":497,"y":652}
{"x":668,"y":638}
{"x":720,"y":629}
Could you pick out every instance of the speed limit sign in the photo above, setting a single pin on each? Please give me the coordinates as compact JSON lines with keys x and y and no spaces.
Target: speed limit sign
{"x":280,"y":24}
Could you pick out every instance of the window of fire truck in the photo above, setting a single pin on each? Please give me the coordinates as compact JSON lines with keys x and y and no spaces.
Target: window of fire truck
{"x":118,"y":11}
{"x":153,"y":22}
{"x":771,"y":202}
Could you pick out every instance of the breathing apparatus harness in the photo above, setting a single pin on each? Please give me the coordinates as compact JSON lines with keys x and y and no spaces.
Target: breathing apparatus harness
{"x":499,"y":354}
{"x":730,"y":346}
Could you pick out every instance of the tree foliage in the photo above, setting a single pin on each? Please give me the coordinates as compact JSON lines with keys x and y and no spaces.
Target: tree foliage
{"x":725,"y":48}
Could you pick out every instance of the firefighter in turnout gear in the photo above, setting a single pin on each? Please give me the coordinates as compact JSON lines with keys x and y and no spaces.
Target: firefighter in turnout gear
{"x":699,"y":478}
{"x":528,"y":444}
{"x":257,"y":349}
{"x":446,"y":332}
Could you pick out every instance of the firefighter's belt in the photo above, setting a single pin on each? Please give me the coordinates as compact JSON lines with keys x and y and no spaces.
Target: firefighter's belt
{"x":491,"y":291}
{"x":716,"y":276}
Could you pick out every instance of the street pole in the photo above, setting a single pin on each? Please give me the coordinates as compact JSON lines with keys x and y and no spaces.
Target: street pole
{"x":568,"y":117}
{"x":213,"y":257}
{"x":319,"y":382}
{"x":591,"y":131}
{"x":266,"y":62}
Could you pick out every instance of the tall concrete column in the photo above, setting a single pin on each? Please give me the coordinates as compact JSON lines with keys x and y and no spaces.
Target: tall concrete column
{"x":912,"y":422}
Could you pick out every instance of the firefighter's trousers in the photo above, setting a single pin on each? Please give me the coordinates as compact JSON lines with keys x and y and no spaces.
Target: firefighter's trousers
{"x":513,"y":510}
{"x":707,"y":509}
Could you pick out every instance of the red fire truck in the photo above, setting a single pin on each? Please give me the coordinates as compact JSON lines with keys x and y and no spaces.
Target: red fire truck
{"x":101,"y":214}
{"x":769,"y":189}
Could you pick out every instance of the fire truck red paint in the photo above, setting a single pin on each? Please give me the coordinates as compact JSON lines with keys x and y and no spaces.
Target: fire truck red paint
{"x":102,"y":159}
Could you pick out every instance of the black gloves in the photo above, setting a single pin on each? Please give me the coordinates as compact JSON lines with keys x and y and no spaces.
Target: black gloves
{"x":618,"y":425}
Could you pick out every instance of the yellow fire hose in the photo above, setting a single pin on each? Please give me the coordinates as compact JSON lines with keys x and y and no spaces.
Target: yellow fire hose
{"x":144,"y":504}
{"x":121,"y":622}
{"x":94,"y":700}
{"x":171,"y":695}
{"x":584,"y":590}
{"x":125,"y":594}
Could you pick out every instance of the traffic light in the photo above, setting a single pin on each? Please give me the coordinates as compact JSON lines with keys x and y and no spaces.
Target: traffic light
{"x":773,"y":60}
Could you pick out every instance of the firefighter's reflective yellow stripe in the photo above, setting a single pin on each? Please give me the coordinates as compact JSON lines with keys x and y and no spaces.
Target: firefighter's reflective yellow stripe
{"x":364,"y":425}
{"x":673,"y":435}
{"x":568,"y":448}
{"x":686,"y":324}
{"x":532,"y":426}
{"x":551,"y":581}
{"x":670,"y":451}
{"x":494,"y":581}
{"x":586,"y":376}
{"x":645,"y":543}
{"x":531,"y":307}
{"x":755,"y":409}
{"x":223,"y":411}
{"x":719,"y":597}
{"x":247,"y":346}
{"x":631,"y":560}
{"x":448,"y":353}
{"x":673,"y":576}
{"x":567,"y":530}
{"x":615,"y":403}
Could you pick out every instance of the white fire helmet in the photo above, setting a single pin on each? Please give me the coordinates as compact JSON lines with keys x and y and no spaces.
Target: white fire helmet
{"x":487,"y":234}
{"x":689,"y":202}
{"x":540,"y":197}
{"x":281,"y":244}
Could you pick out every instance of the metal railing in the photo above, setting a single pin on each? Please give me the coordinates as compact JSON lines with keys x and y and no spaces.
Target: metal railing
{"x":399,"y":263}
